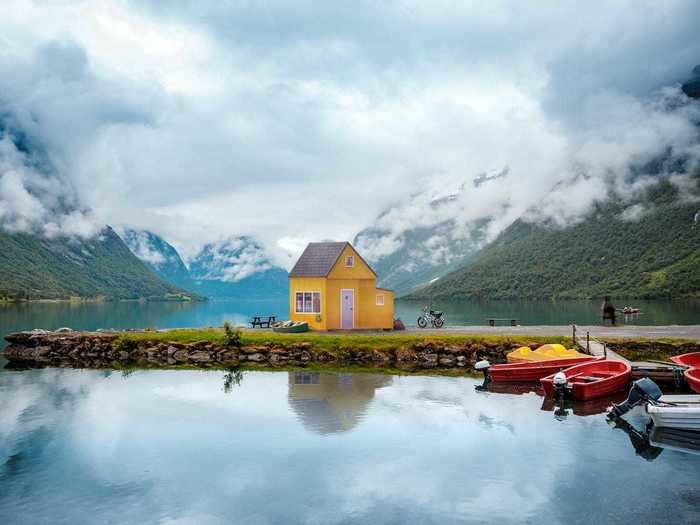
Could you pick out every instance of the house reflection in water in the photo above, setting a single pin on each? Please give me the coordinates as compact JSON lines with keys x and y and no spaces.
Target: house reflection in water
{"x":332,"y":403}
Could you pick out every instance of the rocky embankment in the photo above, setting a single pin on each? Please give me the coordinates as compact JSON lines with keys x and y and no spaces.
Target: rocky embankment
{"x":102,"y":349}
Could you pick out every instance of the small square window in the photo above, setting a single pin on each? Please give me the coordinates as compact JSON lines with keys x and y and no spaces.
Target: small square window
{"x":380,"y":300}
{"x":350,"y":261}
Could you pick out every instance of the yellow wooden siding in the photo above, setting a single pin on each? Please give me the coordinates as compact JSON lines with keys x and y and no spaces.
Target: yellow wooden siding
{"x":308,"y":284}
{"x":360,"y":278}
{"x":359,"y":270}
{"x":367,"y":315}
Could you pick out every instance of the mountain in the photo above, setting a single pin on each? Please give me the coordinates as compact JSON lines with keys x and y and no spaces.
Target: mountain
{"x":646,"y":247}
{"x":161,"y":257}
{"x":51,"y":246}
{"x":692,"y":86}
{"x":33,"y":266}
{"x":407,"y":258}
{"x":237,"y":267}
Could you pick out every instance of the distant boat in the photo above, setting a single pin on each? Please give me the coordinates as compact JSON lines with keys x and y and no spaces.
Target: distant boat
{"x":627,"y":310}
{"x":590,"y":380}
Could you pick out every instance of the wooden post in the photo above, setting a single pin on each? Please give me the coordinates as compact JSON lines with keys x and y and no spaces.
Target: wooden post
{"x":573,"y":327}
{"x":588,"y":343}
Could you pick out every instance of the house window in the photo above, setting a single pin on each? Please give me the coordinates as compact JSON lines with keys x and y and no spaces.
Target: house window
{"x":350,"y":261}
{"x":307,"y":302}
{"x":380,"y":299}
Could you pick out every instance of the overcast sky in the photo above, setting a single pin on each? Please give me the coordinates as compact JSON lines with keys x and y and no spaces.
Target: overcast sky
{"x":299,"y":121}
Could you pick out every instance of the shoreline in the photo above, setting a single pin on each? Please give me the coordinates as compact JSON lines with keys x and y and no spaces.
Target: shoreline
{"x":213,"y":348}
{"x":100,"y":300}
{"x":449,"y":353}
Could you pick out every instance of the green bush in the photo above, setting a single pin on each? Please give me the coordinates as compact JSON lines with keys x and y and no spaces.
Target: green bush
{"x":232,"y":336}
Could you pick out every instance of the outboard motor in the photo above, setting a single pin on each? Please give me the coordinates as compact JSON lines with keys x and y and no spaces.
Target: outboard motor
{"x":483,"y":366}
{"x":561,"y":385}
{"x":642,"y":391}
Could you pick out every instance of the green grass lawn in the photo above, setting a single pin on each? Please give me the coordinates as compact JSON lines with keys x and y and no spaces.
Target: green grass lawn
{"x":335,"y":341}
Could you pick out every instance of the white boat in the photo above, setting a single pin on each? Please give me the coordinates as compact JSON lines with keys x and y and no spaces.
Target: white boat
{"x":676,"y":412}
{"x":675,"y":439}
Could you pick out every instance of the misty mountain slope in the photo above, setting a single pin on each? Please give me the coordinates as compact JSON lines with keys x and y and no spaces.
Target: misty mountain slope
{"x":646,"y":248}
{"x":237,"y":267}
{"x":161,"y":257}
{"x":37,"y":267}
{"x":437,"y":244}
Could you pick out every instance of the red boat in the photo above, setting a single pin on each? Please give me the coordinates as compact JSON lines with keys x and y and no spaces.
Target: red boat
{"x":692,"y":359}
{"x":692,"y":377}
{"x":533,"y":370}
{"x":592,"y":380}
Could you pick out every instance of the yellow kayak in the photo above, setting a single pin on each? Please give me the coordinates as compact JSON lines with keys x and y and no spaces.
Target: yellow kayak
{"x":543,"y":353}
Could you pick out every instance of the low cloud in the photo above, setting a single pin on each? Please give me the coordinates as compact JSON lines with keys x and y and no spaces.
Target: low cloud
{"x":230,"y":260}
{"x":208,"y":121}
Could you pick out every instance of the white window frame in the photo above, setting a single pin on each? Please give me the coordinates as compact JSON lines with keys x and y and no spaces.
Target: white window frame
{"x":379,"y":300}
{"x":304,"y":292}
{"x":351,"y":259}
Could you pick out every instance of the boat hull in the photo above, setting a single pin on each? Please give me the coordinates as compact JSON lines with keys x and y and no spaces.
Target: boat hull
{"x":683,"y":414}
{"x":680,"y":440}
{"x":692,"y":377}
{"x":692,"y":359}
{"x":592,"y":380}
{"x":296,"y":329}
{"x":533,"y":371}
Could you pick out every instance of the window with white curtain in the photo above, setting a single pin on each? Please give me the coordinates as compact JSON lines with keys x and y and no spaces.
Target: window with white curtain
{"x":307,"y":302}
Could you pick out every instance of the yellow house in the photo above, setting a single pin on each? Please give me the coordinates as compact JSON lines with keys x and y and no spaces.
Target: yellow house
{"x":331,"y":287}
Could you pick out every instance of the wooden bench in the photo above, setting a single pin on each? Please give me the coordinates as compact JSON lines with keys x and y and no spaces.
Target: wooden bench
{"x":263,"y":321}
{"x":493,"y":320}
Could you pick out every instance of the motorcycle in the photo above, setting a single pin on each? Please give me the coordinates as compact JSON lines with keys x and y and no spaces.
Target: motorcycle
{"x":432,"y":317}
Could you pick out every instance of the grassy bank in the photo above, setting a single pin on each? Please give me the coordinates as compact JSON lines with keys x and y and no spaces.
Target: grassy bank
{"x":652,"y":350}
{"x":337,"y":341}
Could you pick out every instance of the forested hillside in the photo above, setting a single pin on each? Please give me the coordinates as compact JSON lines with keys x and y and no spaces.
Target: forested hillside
{"x":35,"y":267}
{"x":646,"y":248}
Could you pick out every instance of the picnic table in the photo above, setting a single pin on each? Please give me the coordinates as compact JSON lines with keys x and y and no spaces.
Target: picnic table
{"x":493,"y":320}
{"x":263,"y":321}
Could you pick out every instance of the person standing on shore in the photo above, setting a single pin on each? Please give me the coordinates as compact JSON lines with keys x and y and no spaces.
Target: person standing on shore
{"x":608,"y":310}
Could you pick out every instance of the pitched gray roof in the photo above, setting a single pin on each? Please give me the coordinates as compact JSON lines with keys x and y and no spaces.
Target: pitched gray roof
{"x":318,"y":259}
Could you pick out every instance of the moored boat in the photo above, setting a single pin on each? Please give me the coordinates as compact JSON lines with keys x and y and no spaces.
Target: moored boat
{"x":692,"y":377}
{"x":679,"y":440}
{"x":692,"y":359}
{"x":546,"y":352}
{"x":682,"y":412}
{"x":290,"y":327}
{"x":534,"y":371}
{"x":589,"y":380}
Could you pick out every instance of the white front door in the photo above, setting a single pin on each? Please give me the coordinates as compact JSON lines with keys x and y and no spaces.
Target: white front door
{"x":347,"y":309}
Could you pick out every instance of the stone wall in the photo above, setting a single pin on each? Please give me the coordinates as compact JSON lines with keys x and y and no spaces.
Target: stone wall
{"x":96,"y":350}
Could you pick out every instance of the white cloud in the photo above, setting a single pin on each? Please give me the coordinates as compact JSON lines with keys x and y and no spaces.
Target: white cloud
{"x":202,"y":121}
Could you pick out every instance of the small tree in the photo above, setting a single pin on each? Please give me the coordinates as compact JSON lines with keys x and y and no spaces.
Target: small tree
{"x":232,"y":336}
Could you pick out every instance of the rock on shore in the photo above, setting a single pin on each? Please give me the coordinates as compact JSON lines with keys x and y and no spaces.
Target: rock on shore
{"x":100,"y":349}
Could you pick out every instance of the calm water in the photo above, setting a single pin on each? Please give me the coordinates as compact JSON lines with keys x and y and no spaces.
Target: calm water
{"x":197,"y":447}
{"x":213,"y":313}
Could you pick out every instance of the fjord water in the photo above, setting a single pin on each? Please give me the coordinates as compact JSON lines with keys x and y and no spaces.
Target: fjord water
{"x":209,"y":447}
{"x":91,"y":316}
